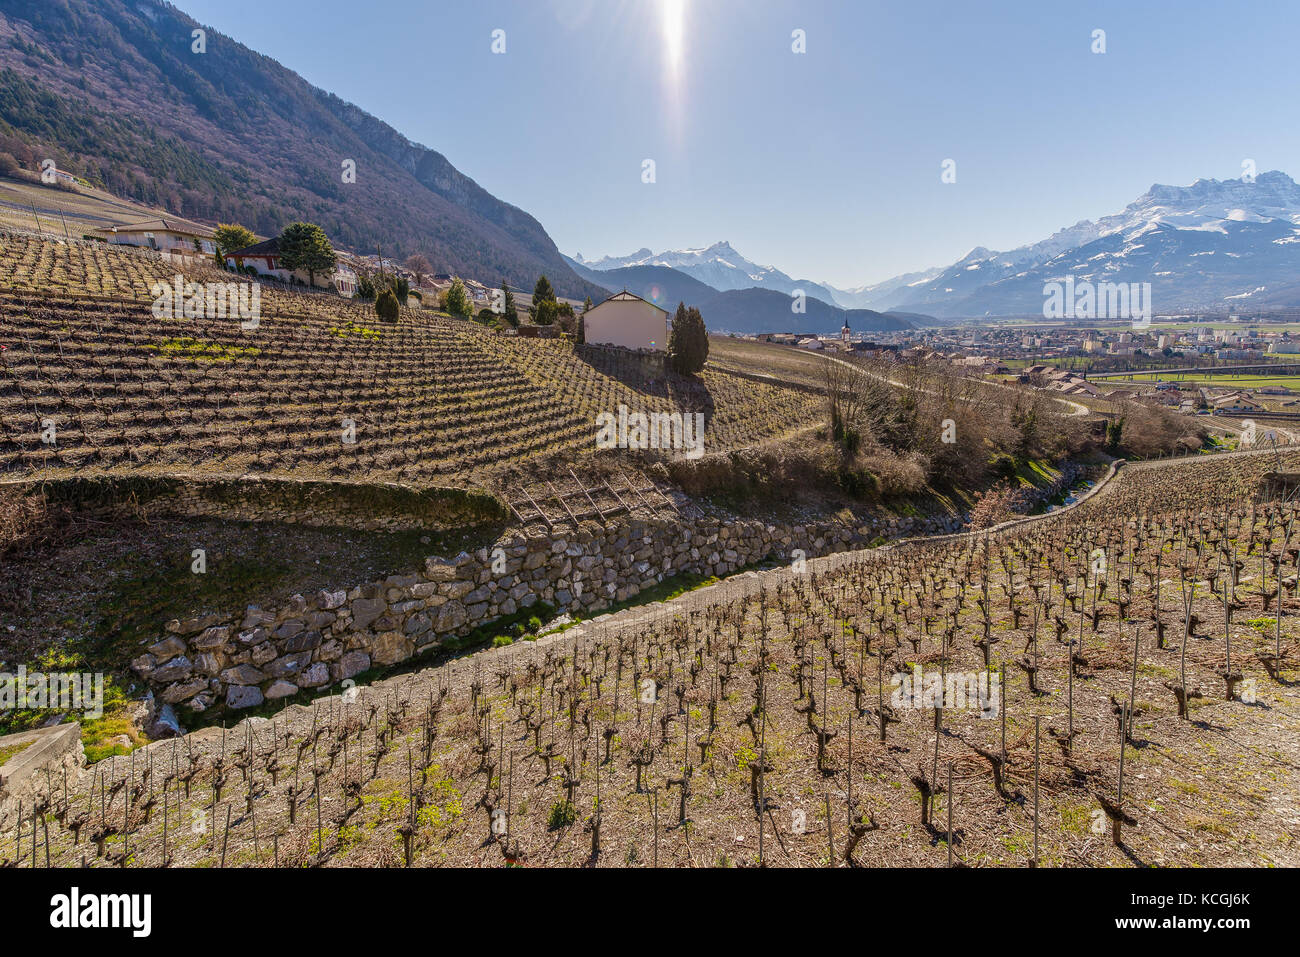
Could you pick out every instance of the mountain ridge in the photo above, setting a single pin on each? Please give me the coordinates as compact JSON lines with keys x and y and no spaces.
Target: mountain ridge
{"x":99,"y":86}
{"x":718,"y":265}
{"x":1222,"y":243}
{"x":1179,"y":218}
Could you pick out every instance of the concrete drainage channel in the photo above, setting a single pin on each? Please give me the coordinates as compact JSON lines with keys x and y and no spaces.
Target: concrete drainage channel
{"x":37,"y":758}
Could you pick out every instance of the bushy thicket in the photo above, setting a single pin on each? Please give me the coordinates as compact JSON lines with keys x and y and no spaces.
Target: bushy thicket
{"x":899,"y":426}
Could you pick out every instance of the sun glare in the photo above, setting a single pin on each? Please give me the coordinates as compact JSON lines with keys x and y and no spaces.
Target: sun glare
{"x":674,"y":14}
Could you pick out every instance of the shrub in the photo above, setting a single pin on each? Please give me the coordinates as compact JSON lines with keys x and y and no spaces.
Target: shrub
{"x":897,"y":475}
{"x":386,"y":306}
{"x":458,"y":302}
{"x":231,"y":236}
{"x":1003,"y":466}
{"x":534,"y":624}
{"x":501,"y":641}
{"x":563,"y":814}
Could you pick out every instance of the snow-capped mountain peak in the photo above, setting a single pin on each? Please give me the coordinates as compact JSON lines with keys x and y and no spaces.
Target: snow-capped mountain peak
{"x":718,"y":265}
{"x":1200,"y":245}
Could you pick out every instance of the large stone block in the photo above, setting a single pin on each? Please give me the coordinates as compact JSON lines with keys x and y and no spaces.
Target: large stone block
{"x":331,"y":599}
{"x":289,"y":665}
{"x":281,"y":689}
{"x":390,"y":647}
{"x":243,"y":675}
{"x":436,"y":570}
{"x":210,"y":639}
{"x":167,"y":649}
{"x":351,"y":664}
{"x":450,"y":616}
{"x":178,"y":669}
{"x":456,"y":589}
{"x":239,"y":696}
{"x":184,"y":691}
{"x":314,"y":676}
{"x":305,"y":641}
{"x":366,"y":610}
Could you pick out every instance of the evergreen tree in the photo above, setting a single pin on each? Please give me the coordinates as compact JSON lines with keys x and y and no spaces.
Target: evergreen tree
{"x":545,"y":312}
{"x":688,"y":340}
{"x":543,"y":293}
{"x":386,"y":306}
{"x":305,"y":246}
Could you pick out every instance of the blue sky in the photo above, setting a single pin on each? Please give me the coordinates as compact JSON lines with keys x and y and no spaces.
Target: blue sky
{"x":826,"y":164}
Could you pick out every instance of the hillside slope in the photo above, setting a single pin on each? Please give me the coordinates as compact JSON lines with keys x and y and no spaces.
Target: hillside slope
{"x":750,"y":311}
{"x":113,"y":92}
{"x":434,"y":401}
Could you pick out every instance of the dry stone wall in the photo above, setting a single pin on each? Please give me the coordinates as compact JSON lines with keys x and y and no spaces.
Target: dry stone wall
{"x":263,"y":654}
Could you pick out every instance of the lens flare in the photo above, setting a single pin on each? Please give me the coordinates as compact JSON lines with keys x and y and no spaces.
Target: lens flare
{"x":674,"y":25}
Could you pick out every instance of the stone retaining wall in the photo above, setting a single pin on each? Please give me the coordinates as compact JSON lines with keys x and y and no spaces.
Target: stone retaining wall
{"x":241,"y":661}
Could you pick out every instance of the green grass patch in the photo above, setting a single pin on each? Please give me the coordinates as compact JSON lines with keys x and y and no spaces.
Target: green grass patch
{"x":201,"y":350}
{"x":14,"y":749}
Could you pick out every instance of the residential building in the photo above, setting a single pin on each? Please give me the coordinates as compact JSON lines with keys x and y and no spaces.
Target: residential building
{"x":168,"y":235}
{"x":627,"y":320}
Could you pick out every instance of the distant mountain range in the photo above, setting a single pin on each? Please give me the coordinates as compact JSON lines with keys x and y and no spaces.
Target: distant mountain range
{"x":1212,"y":246}
{"x":662,"y":285}
{"x":113,"y":91}
{"x":719,"y":265}
{"x":748,"y":311}
{"x":741,"y":310}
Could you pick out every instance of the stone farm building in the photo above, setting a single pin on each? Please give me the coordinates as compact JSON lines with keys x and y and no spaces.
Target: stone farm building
{"x":629,"y":321}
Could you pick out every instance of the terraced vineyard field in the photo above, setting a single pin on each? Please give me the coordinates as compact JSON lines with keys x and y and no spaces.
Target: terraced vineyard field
{"x":90,"y":380}
{"x":1110,"y":685}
